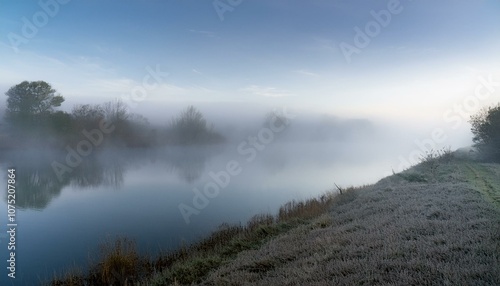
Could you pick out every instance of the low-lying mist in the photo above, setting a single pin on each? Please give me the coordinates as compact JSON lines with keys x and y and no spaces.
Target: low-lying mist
{"x":248,"y":131}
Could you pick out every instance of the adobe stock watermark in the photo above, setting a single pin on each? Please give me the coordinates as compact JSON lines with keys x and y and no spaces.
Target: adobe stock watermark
{"x":223,"y":6}
{"x":249,"y":150}
{"x":30,"y":28}
{"x":363,"y":37}
{"x":456,"y":116}
{"x":95,"y":137}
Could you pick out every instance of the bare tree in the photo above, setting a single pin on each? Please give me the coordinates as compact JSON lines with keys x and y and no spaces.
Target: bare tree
{"x":192,"y":128}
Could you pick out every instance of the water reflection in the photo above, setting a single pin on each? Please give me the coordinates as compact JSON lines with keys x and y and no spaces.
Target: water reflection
{"x":38,"y":184}
{"x":96,"y":172}
{"x":187,"y":162}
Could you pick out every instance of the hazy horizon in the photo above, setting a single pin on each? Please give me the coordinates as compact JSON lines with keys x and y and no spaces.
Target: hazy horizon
{"x":424,"y":56}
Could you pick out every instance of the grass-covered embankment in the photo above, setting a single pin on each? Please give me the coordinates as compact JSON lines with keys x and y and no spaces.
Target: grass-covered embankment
{"x":435,"y":224}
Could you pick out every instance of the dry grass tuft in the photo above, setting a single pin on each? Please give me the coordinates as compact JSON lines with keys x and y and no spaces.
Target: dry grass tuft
{"x":120,"y":261}
{"x":305,"y":209}
{"x":120,"y":264}
{"x":260,"y":220}
{"x":433,"y":165}
{"x":72,"y":277}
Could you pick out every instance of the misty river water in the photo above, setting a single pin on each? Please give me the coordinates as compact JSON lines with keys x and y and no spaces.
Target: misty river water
{"x":138,"y":194}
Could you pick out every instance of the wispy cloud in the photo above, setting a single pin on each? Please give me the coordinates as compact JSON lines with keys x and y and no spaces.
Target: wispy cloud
{"x":113,"y":85}
{"x":306,"y":73}
{"x":92,"y":65}
{"x":323,"y":44}
{"x":414,"y":51}
{"x":266,"y":91}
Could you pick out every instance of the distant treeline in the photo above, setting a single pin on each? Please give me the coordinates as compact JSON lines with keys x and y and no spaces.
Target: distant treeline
{"x":31,"y":120}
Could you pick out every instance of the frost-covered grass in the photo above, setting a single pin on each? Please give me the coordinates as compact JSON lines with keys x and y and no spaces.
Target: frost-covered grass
{"x":395,"y":232}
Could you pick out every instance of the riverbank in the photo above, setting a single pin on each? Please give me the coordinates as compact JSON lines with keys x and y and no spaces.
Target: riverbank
{"x":437,"y":223}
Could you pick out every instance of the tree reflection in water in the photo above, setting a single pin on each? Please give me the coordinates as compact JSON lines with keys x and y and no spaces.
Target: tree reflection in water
{"x":37,"y":183}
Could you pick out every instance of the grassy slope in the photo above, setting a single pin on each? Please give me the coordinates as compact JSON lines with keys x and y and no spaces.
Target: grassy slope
{"x":436,"y":224}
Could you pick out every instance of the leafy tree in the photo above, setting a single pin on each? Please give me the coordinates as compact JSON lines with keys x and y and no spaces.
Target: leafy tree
{"x":486,"y":130}
{"x":28,"y":101}
{"x":60,"y":122}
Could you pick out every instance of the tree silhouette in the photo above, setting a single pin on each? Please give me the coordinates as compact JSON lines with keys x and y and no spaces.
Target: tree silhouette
{"x":28,"y":101}
{"x":486,"y":130}
{"x":192,"y":128}
{"x":86,"y":116}
{"x":189,"y":127}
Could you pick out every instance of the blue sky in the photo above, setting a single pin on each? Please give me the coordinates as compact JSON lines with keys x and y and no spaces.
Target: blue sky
{"x":268,"y":53}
